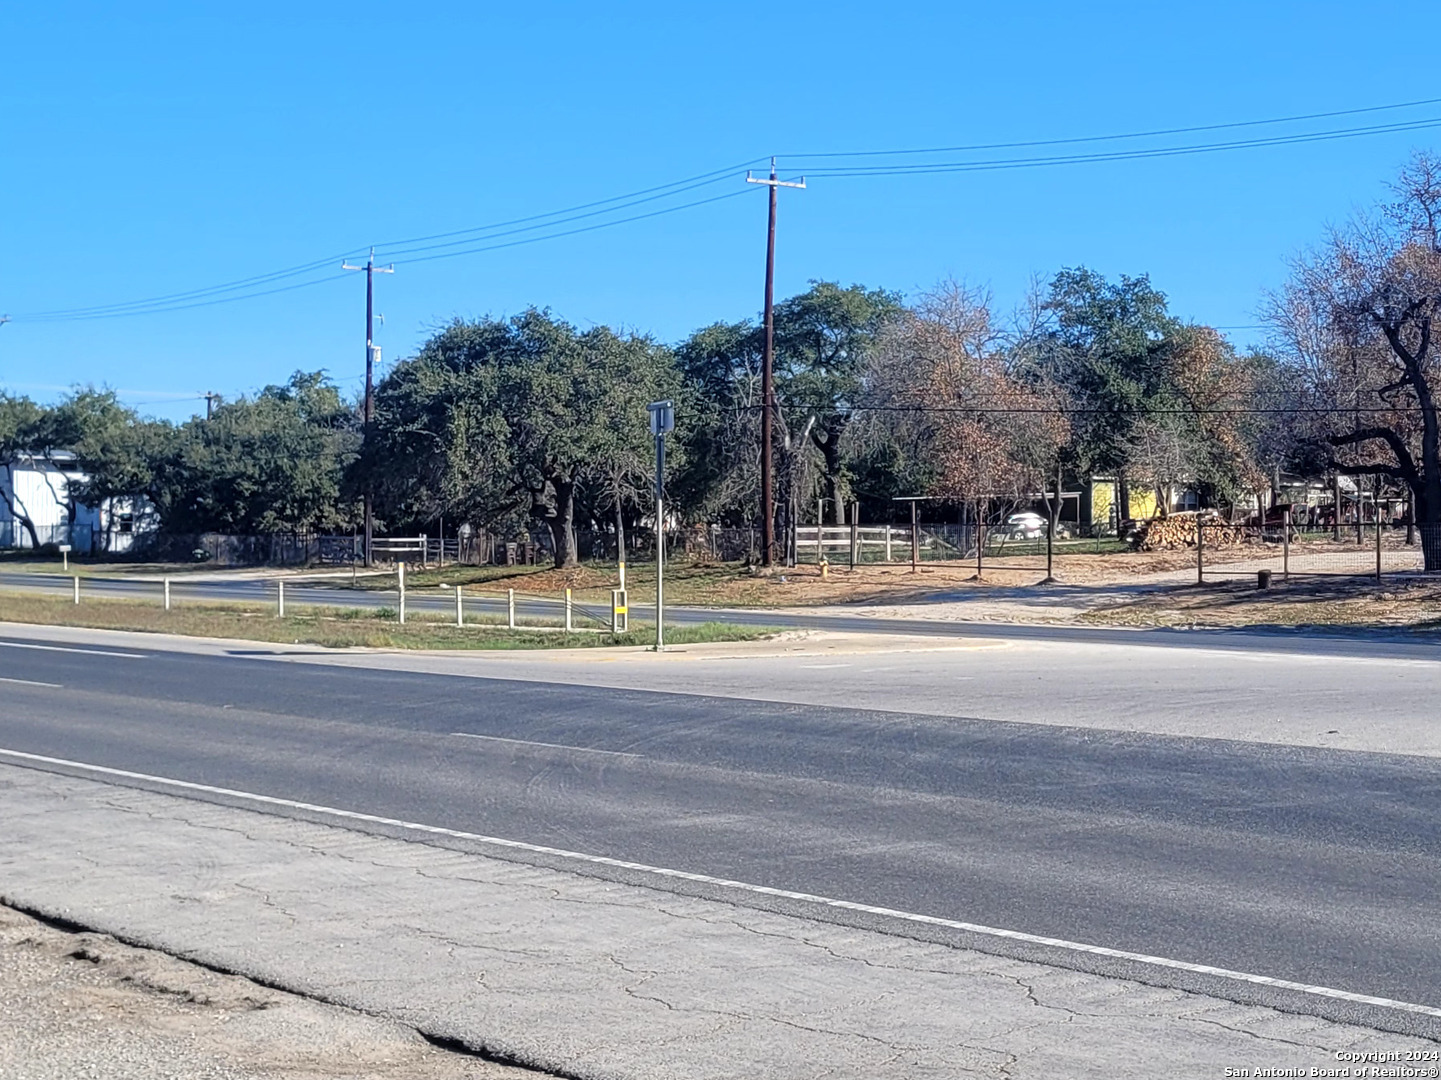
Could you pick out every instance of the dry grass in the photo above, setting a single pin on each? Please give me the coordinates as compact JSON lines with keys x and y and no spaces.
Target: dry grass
{"x":735,"y":585}
{"x":337,"y":628}
{"x":1319,"y":601}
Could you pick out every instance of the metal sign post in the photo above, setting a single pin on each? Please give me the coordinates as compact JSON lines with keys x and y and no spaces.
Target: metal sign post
{"x":662,"y":422}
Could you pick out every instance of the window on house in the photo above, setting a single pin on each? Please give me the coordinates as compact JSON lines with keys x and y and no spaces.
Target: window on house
{"x":125,"y":523}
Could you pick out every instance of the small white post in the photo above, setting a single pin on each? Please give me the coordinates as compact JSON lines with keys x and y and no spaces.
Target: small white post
{"x":166,"y":584}
{"x":65,"y":557}
{"x":400,"y":581}
{"x":510,"y":608}
{"x":280,"y":599}
{"x":567,"y":611}
{"x":888,"y":543}
{"x":77,"y":588}
{"x":459,"y":606}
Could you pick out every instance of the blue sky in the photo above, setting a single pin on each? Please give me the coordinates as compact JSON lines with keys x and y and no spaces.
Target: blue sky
{"x":154,"y":148}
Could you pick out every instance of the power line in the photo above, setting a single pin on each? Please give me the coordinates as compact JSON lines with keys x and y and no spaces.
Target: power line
{"x":158,"y":306}
{"x":999,"y":164}
{"x":259,"y":279}
{"x":183,"y":307}
{"x":475,"y":240}
{"x":1124,"y":135}
{"x":493,"y":235}
{"x":992,"y":410}
{"x":574,"y":232}
{"x":729,"y":170}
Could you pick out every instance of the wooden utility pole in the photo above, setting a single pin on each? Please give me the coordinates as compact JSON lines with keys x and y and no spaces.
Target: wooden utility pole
{"x":768,"y":395}
{"x":210,"y":400}
{"x":370,"y":271}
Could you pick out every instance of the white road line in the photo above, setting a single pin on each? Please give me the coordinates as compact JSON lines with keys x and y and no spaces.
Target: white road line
{"x":742,"y":886}
{"x":548,"y":745}
{"x":31,"y":682}
{"x":71,"y":648}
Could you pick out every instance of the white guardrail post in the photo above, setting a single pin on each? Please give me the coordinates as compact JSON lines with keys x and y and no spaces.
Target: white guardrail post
{"x":400,"y":584}
{"x":567,"y":611}
{"x":459,"y":606}
{"x":280,"y":599}
{"x":510,"y":608}
{"x":77,"y":588}
{"x":165,"y":582}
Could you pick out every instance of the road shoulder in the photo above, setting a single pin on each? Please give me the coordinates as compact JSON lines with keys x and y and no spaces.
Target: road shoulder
{"x":592,"y":978}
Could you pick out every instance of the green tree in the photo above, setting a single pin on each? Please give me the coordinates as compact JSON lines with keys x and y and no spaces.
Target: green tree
{"x":720,"y":478}
{"x":1102,"y":343}
{"x":501,"y":420}
{"x":823,"y":337}
{"x":267,"y":464}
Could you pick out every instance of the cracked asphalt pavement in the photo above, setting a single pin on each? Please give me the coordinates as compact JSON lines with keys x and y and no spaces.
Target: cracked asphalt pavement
{"x":587,"y":978}
{"x":323,"y":826}
{"x":76,"y":1004}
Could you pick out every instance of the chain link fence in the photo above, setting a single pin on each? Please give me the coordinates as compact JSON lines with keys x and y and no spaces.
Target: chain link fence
{"x":1284,"y":551}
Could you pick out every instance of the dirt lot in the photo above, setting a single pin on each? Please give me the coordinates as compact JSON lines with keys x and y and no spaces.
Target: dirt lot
{"x":75,"y":1004}
{"x":1338,"y":601}
{"x":732,"y":585}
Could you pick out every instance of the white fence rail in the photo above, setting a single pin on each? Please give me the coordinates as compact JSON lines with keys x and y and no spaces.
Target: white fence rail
{"x":893,"y":540}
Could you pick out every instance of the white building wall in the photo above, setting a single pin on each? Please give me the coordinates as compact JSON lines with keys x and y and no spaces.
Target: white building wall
{"x":41,"y":490}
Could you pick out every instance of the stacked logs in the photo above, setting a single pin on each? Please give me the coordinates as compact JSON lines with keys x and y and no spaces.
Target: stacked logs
{"x":1179,"y":531}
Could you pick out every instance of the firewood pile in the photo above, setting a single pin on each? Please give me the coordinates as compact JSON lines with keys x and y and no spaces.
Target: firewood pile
{"x":1179,"y":531}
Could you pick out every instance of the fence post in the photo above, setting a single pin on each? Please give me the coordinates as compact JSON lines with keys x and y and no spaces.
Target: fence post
{"x":280,"y":599}
{"x":166,"y":584}
{"x":400,"y":584}
{"x":888,"y":543}
{"x":77,"y":588}
{"x":567,"y":611}
{"x":1200,"y":550}
{"x":1378,"y":543}
{"x":820,"y":530}
{"x":1286,"y":544}
{"x":915,"y":540}
{"x":855,"y":531}
{"x":459,"y":605}
{"x":510,"y":608}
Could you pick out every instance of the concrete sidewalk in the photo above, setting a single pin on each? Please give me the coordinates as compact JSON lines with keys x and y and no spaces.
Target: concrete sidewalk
{"x":589,"y":978}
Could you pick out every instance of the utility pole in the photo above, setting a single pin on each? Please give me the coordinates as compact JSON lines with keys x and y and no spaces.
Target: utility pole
{"x":210,"y":400}
{"x":662,"y":423}
{"x":768,"y":390}
{"x":370,"y":271}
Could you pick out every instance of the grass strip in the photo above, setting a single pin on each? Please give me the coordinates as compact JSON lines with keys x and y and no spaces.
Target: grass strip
{"x":339,"y":627}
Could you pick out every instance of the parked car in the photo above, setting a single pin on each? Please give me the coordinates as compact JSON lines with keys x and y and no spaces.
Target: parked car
{"x":1029,"y":525}
{"x":1026,"y":525}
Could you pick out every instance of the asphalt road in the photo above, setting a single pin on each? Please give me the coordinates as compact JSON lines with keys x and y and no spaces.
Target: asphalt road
{"x":1307,"y":641}
{"x":1313,"y":865}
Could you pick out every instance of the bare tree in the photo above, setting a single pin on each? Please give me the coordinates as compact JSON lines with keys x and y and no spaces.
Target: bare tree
{"x":1357,"y":316}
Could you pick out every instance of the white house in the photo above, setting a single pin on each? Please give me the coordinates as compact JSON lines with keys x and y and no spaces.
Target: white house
{"x":36,"y":507}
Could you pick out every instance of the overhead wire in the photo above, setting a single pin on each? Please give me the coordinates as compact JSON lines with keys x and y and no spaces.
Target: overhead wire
{"x":707,"y":176}
{"x":994,"y":165}
{"x":1074,"y":140}
{"x":181,"y":301}
{"x":479,"y":239}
